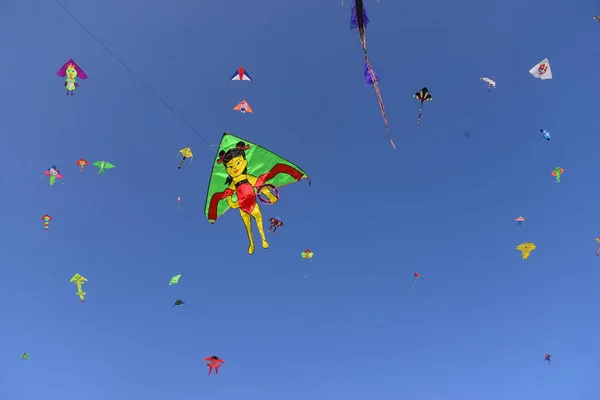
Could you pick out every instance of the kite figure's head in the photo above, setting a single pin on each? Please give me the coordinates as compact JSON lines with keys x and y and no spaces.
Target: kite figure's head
{"x":235,"y":161}
{"x":71,"y":71}
{"x":53,"y":171}
{"x":557,"y":170}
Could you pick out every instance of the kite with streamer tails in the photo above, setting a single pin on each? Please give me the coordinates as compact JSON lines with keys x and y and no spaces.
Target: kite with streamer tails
{"x":423,"y":96}
{"x":82,"y":163}
{"x":71,"y":72}
{"x":542,"y":70}
{"x":546,"y":134}
{"x":46,"y":218}
{"x":557,"y":173}
{"x":240,"y":172}
{"x":175,"y":280}
{"x":360,"y":20}
{"x":598,"y":249}
{"x":519,"y":221}
{"x":526,"y":249}
{"x":417,"y":276}
{"x":103,"y":166}
{"x":490,"y":82}
{"x":241,"y":75}
{"x":275,"y":223}
{"x":306,"y":255}
{"x":79,"y":281}
{"x":243,"y":107}
{"x":214,"y":362}
{"x":53,"y":174}
{"x":185,"y":154}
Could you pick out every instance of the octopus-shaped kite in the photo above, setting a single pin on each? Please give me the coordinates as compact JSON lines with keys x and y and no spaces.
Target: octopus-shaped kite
{"x":71,"y":72}
{"x":185,"y":154}
{"x":526,"y":249}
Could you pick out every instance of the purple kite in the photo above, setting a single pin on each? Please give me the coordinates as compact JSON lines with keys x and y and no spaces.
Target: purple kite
{"x":368,"y":78}
{"x":71,"y":72}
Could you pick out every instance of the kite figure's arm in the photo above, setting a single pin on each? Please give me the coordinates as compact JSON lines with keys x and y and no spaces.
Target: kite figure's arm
{"x":214,"y":202}
{"x":276,"y":170}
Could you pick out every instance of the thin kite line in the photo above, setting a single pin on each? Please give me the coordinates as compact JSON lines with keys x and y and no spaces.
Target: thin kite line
{"x":109,"y":51}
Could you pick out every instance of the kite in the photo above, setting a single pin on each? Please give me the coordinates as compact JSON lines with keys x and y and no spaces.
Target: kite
{"x":214,"y":362}
{"x":519,"y":221}
{"x":178,"y":303}
{"x":417,"y":276}
{"x":82,"y":163}
{"x":275,"y":223}
{"x":79,"y":280}
{"x":542,"y":70}
{"x":46,"y":218}
{"x":178,"y":202}
{"x":306,"y":255}
{"x":185,"y":154}
{"x":243,"y":107}
{"x":598,"y":250}
{"x":241,"y":172}
{"x":24,"y":356}
{"x":423,"y":96}
{"x":558,"y":171}
{"x":597,"y":18}
{"x":71,"y":71}
{"x":491,"y":83}
{"x":547,"y":358}
{"x":546,"y":134}
{"x":526,"y":249}
{"x":241,"y":75}
{"x":103,"y":166}
{"x":53,"y":173}
{"x":175,"y":280}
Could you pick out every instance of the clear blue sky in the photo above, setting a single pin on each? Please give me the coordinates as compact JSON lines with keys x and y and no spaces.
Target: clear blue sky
{"x":479,"y":321}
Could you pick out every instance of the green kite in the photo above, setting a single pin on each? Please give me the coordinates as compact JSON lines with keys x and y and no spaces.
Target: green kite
{"x":25,"y":356}
{"x":175,"y":280}
{"x":103,"y":166}
{"x":242,"y":173}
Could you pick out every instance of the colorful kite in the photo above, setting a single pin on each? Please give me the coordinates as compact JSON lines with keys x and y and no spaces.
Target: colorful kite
{"x":526,"y":249}
{"x":598,"y":249}
{"x":242,"y":170}
{"x":519,"y":221}
{"x":417,"y":276}
{"x":275,"y":223}
{"x":53,"y":173}
{"x":214,"y":362}
{"x":175,"y":280}
{"x":185,"y":154}
{"x":546,"y":134}
{"x":241,"y":75}
{"x":558,"y":171}
{"x":547,"y":358}
{"x":71,"y":71}
{"x":103,"y":166}
{"x":306,"y":255}
{"x":423,"y":96}
{"x":79,"y":280}
{"x":82,"y":163}
{"x":24,"y":356}
{"x":178,"y":202}
{"x":46,"y":218}
{"x":178,"y":303}
{"x":490,"y":82}
{"x":542,"y":70}
{"x":243,"y":107}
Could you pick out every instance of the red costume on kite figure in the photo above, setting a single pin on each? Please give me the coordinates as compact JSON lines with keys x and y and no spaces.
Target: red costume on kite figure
{"x":214,"y":362}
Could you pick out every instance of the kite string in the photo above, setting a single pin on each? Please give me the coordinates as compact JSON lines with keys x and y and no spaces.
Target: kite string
{"x":109,"y":51}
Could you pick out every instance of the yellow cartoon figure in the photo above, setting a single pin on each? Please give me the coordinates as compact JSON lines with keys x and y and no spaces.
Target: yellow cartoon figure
{"x":526,"y":249}
{"x":248,"y":172}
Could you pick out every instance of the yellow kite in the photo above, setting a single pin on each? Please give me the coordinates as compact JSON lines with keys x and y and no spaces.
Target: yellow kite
{"x":79,"y":280}
{"x":526,"y":249}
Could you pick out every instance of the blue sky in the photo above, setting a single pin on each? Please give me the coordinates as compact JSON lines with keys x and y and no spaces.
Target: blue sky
{"x":479,"y":321}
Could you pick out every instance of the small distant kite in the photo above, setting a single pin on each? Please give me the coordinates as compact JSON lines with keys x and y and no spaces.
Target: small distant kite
{"x":79,"y":281}
{"x":243,"y":107}
{"x":519,"y":221}
{"x":185,"y":154}
{"x":526,"y":249}
{"x":214,"y":362}
{"x":490,"y":82}
{"x":306,"y":255}
{"x":24,"y":356}
{"x":546,"y":134}
{"x":175,"y":280}
{"x":82,"y":163}
{"x":597,"y":18}
{"x":241,"y":75}
{"x":46,"y":218}
{"x":53,"y":173}
{"x":598,"y":249}
{"x":416,"y":276}
{"x":558,"y":171}
{"x":423,"y":96}
{"x":71,"y":72}
{"x":103,"y":166}
{"x":178,"y":202}
{"x":547,"y":358}
{"x":542,"y":70}
{"x":275,"y":223}
{"x":178,"y":303}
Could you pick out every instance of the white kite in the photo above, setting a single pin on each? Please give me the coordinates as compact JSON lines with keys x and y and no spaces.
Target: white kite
{"x":542,"y":70}
{"x":491,"y":84}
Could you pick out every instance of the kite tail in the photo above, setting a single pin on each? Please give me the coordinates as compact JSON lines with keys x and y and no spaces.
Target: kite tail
{"x":420,"y":113}
{"x":597,"y":251}
{"x":305,"y":271}
{"x":414,"y":284}
{"x":47,"y":225}
{"x":518,"y":226}
{"x":181,"y":162}
{"x":380,"y":100}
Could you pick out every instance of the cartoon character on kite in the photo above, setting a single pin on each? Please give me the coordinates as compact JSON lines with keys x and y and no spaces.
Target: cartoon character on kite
{"x":306,"y":255}
{"x":82,"y":163}
{"x":557,"y":173}
{"x":247,"y":171}
{"x":526,"y":249}
{"x":79,"y":281}
{"x":547,"y":358}
{"x":490,"y":82}
{"x":243,"y":107}
{"x":214,"y":362}
{"x":546,"y":134}
{"x":185,"y":154}
{"x":103,"y":166}
{"x":542,"y":70}
{"x":275,"y":223}
{"x":46,"y":218}
{"x":53,"y":173}
{"x":71,"y":72}
{"x":423,"y":96}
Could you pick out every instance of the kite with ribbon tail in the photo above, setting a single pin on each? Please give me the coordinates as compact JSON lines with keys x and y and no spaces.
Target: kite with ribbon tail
{"x":423,"y":96}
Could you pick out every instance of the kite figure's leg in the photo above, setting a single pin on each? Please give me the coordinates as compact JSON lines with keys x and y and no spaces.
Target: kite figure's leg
{"x":216,"y":369}
{"x":259,"y":223}
{"x":248,"y":224}
{"x":209,"y":368}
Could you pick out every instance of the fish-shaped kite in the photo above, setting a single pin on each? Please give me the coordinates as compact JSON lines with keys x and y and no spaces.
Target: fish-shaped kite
{"x":82,"y":163}
{"x":306,"y":255}
{"x":423,"y":96}
{"x":53,"y":173}
{"x":103,"y":166}
{"x":71,"y":72}
{"x":79,"y":281}
{"x":186,"y":153}
{"x":243,"y":107}
{"x":242,"y":171}
{"x":241,"y":75}
{"x":46,"y":218}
